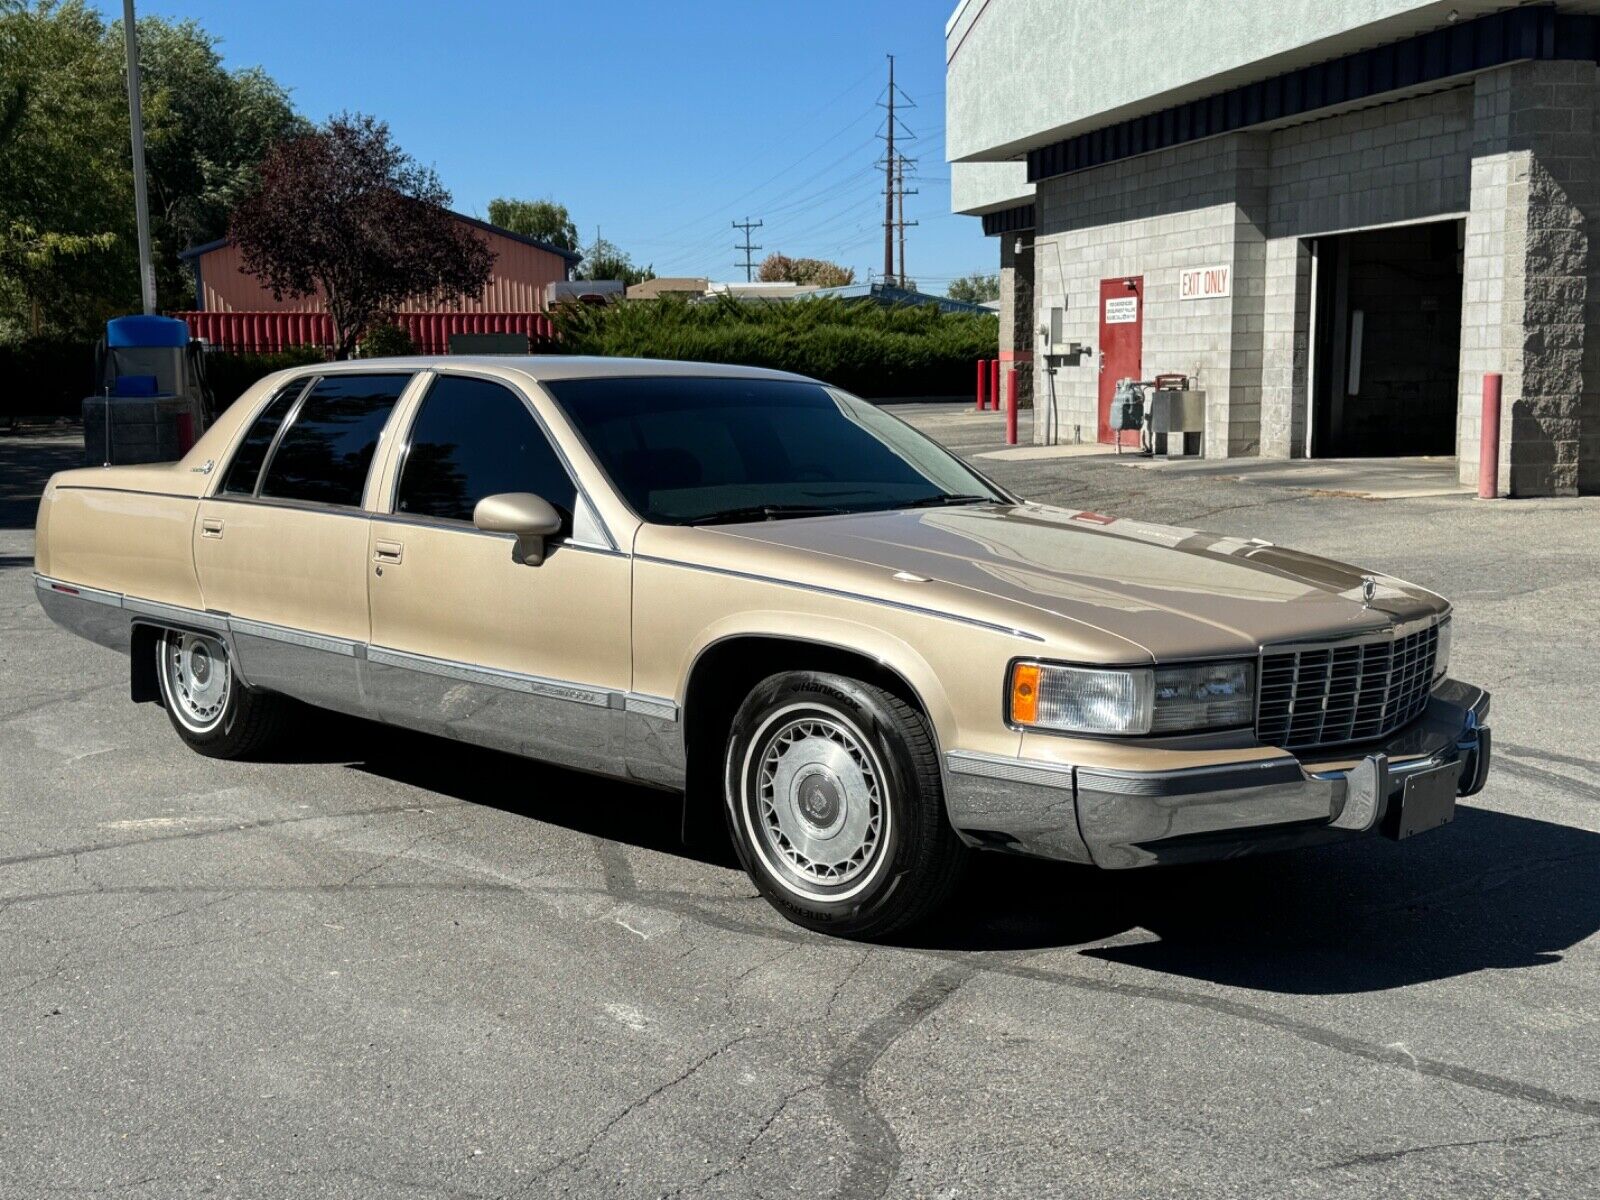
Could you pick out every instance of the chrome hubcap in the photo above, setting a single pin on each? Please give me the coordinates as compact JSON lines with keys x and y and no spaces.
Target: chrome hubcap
{"x":197,"y":677}
{"x":819,"y":800}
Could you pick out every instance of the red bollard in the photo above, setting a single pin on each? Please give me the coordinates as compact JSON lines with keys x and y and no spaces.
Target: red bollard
{"x":185,"y":425}
{"x":994,"y":384}
{"x":983,"y":384}
{"x":1489,"y":440}
{"x":1011,"y":407}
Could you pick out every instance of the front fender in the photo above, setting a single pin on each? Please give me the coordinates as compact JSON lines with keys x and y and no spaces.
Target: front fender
{"x":834,"y":633}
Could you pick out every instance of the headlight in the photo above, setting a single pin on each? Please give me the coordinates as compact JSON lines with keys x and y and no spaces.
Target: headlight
{"x":1441,"y":659}
{"x":1132,"y":701}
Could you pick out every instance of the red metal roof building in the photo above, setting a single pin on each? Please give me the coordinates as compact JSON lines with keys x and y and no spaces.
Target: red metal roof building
{"x":235,"y":311}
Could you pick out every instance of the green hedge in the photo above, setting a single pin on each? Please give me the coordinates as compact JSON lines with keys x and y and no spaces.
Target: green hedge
{"x":45,"y":377}
{"x":866,"y":348}
{"x":230,"y":374}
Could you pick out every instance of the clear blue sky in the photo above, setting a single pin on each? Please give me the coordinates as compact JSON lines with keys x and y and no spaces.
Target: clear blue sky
{"x":658,"y":123}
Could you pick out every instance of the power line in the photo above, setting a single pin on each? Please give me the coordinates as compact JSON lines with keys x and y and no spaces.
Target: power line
{"x":747,"y":225}
{"x":838,"y":133}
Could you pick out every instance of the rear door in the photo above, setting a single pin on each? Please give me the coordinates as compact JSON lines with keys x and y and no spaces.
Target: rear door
{"x":467,"y":640}
{"x":281,"y":546}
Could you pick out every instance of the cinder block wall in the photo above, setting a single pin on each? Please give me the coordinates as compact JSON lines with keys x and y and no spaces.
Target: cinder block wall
{"x":1513,"y":152}
{"x":1247,"y":200}
{"x":1017,"y":321}
{"x":1408,"y":160}
{"x":1530,"y":277}
{"x":1191,"y":206}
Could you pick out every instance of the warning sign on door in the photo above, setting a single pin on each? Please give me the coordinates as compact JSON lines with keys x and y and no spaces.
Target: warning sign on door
{"x":1122,"y":310}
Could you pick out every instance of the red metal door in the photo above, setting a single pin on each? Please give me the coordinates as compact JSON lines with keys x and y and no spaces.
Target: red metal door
{"x":1121,"y":345}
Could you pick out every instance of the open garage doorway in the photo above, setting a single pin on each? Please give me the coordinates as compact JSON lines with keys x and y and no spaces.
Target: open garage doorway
{"x":1388,"y":342}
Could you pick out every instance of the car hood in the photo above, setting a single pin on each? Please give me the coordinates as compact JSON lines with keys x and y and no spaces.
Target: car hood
{"x":1172,"y":592}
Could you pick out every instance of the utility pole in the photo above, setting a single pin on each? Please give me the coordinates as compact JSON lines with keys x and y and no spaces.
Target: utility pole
{"x":888,"y":183}
{"x":901,"y":192}
{"x":141,"y":202}
{"x":747,"y":225}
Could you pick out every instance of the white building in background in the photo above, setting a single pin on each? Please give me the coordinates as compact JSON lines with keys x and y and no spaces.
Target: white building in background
{"x":1335,"y":218}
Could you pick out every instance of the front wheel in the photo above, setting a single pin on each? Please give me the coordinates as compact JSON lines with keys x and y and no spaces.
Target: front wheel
{"x":836,"y":807}
{"x":212,"y":711}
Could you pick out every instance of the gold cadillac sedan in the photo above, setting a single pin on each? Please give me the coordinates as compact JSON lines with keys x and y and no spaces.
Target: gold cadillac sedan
{"x":779,"y":601}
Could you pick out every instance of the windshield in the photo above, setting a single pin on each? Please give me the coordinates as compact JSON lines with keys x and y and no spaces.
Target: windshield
{"x":686,"y":451}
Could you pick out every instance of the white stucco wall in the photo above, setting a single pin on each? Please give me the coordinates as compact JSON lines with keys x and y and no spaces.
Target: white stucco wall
{"x":1023,"y":73}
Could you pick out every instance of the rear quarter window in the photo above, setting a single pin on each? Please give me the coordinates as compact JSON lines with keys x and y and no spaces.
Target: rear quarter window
{"x":325,"y":454}
{"x":252,"y":452}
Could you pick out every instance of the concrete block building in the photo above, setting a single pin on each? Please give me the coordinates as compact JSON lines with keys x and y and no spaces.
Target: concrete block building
{"x":1333,"y":218}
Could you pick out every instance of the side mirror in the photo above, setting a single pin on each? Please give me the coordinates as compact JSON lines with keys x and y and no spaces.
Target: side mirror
{"x":528,"y":516}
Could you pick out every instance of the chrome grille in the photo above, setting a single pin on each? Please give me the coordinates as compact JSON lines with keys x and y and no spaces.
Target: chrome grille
{"x":1352,"y":691}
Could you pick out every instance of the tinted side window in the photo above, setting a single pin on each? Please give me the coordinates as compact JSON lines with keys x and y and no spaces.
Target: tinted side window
{"x":472,"y":439}
{"x":252,"y":452}
{"x":324,"y":455}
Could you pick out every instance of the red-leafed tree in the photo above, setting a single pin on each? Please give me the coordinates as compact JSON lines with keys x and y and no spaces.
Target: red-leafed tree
{"x":345,"y":213}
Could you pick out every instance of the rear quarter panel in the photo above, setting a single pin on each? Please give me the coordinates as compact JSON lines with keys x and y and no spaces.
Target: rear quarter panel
{"x":130,"y":529}
{"x":121,"y":540}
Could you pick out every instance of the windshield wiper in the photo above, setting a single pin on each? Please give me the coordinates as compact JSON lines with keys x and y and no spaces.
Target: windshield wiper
{"x":763,"y":512}
{"x":941,"y":501}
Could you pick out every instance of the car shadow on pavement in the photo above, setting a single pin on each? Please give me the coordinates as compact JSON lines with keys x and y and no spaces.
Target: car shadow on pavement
{"x":1489,"y":891}
{"x":597,"y":805}
{"x":26,"y":463}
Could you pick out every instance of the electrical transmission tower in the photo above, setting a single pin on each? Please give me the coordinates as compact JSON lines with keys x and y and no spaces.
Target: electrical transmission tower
{"x":894,"y":181}
{"x":747,"y":225}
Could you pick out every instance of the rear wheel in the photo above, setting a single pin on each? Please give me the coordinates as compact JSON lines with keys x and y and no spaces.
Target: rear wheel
{"x":835,"y":805}
{"x":211,"y":710}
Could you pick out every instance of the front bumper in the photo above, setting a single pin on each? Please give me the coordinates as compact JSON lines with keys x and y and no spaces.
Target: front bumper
{"x":1122,"y":818}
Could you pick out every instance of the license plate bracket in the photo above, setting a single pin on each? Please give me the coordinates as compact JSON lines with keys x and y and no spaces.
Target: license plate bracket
{"x":1426,"y":801}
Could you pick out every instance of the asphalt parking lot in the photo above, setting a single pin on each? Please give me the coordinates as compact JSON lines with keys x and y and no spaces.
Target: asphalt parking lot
{"x":386,"y":965}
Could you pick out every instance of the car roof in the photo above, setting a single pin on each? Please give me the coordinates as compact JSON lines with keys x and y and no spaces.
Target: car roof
{"x":542,"y":367}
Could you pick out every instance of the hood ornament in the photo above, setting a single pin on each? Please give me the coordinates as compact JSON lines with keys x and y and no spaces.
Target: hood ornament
{"x":1369,"y":590}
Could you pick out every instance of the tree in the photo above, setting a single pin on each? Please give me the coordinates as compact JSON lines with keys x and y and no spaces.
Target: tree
{"x":975,"y":288}
{"x":66,"y":195}
{"x":780,"y":268}
{"x":606,"y":260}
{"x":346,"y":213}
{"x":67,"y":243}
{"x":542,"y":219}
{"x":207,"y":130}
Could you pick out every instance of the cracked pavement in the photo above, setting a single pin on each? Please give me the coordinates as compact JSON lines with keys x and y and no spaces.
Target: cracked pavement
{"x":388,"y":965}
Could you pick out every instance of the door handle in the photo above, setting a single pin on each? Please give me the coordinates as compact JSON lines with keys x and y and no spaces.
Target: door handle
{"x":211,"y":527}
{"x":387,"y":552}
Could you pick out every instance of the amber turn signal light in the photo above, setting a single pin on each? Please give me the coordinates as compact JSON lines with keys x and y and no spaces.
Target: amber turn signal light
{"x":1025,"y":693}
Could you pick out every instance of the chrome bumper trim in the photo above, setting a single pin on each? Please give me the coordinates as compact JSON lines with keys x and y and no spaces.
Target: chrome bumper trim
{"x":1117,"y":818}
{"x":994,"y":766}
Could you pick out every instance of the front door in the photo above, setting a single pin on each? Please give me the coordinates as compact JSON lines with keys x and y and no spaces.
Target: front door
{"x":1121,"y":345}
{"x":468,"y":640}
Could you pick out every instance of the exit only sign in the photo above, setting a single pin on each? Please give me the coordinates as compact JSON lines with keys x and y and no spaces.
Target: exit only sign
{"x":1205,"y":283}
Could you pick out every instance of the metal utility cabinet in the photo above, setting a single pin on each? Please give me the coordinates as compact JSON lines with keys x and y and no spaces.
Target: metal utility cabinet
{"x":152,"y":405}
